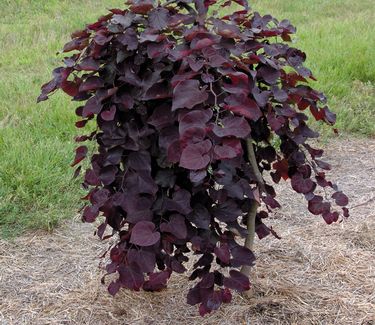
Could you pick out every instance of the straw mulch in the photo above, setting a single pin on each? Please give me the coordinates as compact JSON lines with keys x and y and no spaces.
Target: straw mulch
{"x":317,"y":274}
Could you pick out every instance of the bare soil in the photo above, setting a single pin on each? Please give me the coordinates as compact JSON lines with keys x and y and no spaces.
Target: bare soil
{"x":317,"y":274}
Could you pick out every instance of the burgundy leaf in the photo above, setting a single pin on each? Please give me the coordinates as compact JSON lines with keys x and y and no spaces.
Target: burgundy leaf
{"x":89,"y":64}
{"x":143,"y":234}
{"x":174,"y":152}
{"x":203,"y":309}
{"x":178,"y":53}
{"x":91,"y":178}
{"x":71,"y":88}
{"x":180,"y":202}
{"x":103,"y":94}
{"x":239,"y":83}
{"x":175,"y":226}
{"x":114,"y":156}
{"x":77,"y":172}
{"x":155,"y":50}
{"x":207,"y":281}
{"x":76,"y":44}
{"x":237,"y":281}
{"x":108,"y":174}
{"x":188,"y":94}
{"x":138,"y":208}
{"x":158,"y":18}
{"x":139,"y":161}
{"x":318,"y":206}
{"x":157,"y":91}
{"x":91,"y":83}
{"x":227,"y":211}
{"x":193,"y":296}
{"x":330,"y":117}
{"x":140,"y":182}
{"x":200,"y":217}
{"x":93,"y":106}
{"x":109,"y":114}
{"x":207,"y":78}
{"x":195,"y":119}
{"x":129,"y":38}
{"x":205,"y":260}
{"x":323,"y":165}
{"x":233,"y":126}
{"x":144,"y":259}
{"x":99,"y":197}
{"x":330,"y":217}
{"x":224,"y":152}
{"x":81,"y":153}
{"x":214,"y":301}
{"x":196,"y":156}
{"x":271,"y":202}
{"x":131,"y":277}
{"x":227,"y":30}
{"x":101,"y":230}
{"x":150,"y":35}
{"x":197,"y":176}
{"x":302,"y":185}
{"x":198,"y":44}
{"x":244,"y":106}
{"x":102,"y":38}
{"x":242,"y":256}
{"x":226,"y":295}
{"x":81,"y":124}
{"x":124,"y":20}
{"x":275,"y":122}
{"x":114,"y":287}
{"x":222,"y":252}
{"x":161,"y":117}
{"x":90,"y":213}
{"x":340,"y":198}
{"x":235,"y":144}
{"x":282,"y":167}
{"x":269,"y":74}
{"x":141,"y":6}
{"x":157,"y":281}
{"x":262,"y":230}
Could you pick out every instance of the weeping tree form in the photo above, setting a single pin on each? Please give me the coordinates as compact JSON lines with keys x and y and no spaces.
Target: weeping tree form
{"x":188,"y":109}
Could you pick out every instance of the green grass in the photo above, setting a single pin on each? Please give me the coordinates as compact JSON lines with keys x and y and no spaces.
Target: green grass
{"x":36,"y":141}
{"x":337,"y":36}
{"x":36,"y":147}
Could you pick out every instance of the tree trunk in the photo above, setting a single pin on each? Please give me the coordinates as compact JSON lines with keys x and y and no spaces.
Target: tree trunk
{"x":251,"y":215}
{"x":249,"y":242}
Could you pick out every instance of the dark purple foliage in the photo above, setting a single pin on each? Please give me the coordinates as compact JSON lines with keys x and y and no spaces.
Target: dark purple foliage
{"x":143,"y":234}
{"x":175,"y":95}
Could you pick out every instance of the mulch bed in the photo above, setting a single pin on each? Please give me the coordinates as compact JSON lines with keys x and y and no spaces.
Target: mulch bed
{"x":317,"y":274}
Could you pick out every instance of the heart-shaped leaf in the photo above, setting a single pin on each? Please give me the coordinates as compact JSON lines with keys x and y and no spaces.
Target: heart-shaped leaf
{"x":143,"y":234}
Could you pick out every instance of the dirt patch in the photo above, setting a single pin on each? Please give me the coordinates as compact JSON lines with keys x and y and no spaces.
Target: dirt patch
{"x":317,"y":274}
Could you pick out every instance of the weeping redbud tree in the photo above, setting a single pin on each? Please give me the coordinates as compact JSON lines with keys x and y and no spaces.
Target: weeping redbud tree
{"x":189,"y":105}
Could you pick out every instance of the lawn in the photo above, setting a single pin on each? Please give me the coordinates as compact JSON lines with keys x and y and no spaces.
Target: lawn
{"x":36,"y":147}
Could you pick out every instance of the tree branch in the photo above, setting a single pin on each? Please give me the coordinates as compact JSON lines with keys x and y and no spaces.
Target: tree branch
{"x":254,"y":165}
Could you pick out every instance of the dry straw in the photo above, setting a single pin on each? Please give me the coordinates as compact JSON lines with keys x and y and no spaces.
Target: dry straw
{"x":316,"y":274}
